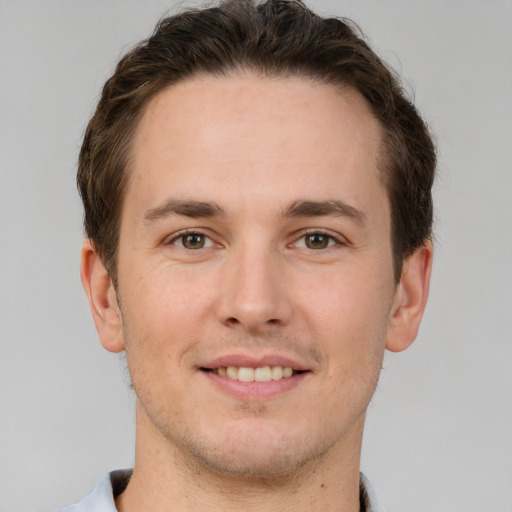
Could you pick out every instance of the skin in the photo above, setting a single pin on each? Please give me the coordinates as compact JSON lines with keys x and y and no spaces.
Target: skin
{"x":268,"y":278}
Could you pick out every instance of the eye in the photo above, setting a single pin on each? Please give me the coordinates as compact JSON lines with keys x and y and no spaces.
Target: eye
{"x":192,"y":241}
{"x":316,"y":240}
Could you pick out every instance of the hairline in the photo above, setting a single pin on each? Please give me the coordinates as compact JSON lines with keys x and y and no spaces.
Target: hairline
{"x":384,"y":160}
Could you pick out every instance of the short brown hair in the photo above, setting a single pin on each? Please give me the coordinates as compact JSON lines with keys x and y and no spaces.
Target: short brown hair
{"x":277,"y":38}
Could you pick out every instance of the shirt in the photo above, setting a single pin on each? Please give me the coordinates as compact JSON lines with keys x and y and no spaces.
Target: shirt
{"x":112,"y":484}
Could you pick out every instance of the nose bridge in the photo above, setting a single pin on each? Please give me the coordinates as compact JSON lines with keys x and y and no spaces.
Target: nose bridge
{"x":253,"y":294}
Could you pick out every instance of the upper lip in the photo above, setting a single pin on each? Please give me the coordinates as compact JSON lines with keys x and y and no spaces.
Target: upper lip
{"x":256,"y":361}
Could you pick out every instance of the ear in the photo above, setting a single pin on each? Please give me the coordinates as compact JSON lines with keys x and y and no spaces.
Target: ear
{"x":410,"y":299}
{"x":100,"y":291}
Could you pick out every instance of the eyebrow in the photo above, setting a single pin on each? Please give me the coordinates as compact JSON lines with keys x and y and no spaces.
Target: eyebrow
{"x":205,"y":209}
{"x":332,"y":207}
{"x":187,"y":208}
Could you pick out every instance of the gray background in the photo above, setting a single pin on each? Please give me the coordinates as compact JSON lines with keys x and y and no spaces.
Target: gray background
{"x":439,"y":431}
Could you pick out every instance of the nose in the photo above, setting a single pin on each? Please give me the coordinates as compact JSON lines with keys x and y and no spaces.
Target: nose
{"x":253,"y":294}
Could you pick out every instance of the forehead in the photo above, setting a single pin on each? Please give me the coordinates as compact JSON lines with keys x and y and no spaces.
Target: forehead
{"x":190,"y":109}
{"x":254,"y":134}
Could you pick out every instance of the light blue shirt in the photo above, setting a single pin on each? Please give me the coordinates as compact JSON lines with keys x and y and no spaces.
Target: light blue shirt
{"x":113,"y":484}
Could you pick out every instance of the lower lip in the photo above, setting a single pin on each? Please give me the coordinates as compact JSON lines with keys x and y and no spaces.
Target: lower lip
{"x":256,"y":390}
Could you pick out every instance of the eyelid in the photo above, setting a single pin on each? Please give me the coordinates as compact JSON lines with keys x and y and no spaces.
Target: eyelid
{"x":171,"y":239}
{"x":336,"y":237}
{"x":300,"y":235}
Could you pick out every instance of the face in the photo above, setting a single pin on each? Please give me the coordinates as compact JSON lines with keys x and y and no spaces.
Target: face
{"x":255,"y":271}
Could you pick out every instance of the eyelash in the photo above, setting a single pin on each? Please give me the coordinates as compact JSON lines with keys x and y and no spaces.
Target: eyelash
{"x":208,"y":241}
{"x":331,"y":239}
{"x":191,"y":232}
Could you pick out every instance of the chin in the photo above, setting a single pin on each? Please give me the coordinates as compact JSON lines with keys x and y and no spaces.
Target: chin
{"x":257,"y":453}
{"x":260,"y":464}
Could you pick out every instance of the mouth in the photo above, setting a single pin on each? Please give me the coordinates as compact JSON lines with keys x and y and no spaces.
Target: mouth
{"x":252,"y":377}
{"x":258,"y":374}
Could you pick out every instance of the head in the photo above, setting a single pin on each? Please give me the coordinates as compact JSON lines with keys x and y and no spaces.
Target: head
{"x":257,"y":195}
{"x":274,"y":38}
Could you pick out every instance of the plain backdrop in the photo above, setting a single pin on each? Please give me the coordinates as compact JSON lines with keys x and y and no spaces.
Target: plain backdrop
{"x":439,"y":429}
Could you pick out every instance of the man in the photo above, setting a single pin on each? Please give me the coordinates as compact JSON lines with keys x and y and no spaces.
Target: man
{"x":258,"y":212}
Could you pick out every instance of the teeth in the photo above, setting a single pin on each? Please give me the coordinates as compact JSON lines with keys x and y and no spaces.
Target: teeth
{"x":261,"y":374}
{"x":277,"y":372}
{"x":287,"y":372}
{"x":232,"y":372}
{"x":245,"y":374}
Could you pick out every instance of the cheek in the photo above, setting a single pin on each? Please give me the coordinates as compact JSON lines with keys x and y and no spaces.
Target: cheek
{"x":164,"y":293}
{"x":155,"y":343}
{"x":349,"y":314}
{"x":164,"y":313}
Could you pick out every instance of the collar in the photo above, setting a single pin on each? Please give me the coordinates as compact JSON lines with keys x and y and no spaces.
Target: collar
{"x":114,"y":483}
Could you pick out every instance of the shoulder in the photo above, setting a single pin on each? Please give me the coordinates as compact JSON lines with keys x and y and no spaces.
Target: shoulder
{"x":368,"y":496}
{"x":101,"y":499}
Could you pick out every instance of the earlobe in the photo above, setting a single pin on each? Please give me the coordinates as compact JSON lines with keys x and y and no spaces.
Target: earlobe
{"x":410,"y":299}
{"x":100,"y":291}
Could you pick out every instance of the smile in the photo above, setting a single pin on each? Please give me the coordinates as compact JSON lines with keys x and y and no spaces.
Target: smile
{"x":259,"y":374}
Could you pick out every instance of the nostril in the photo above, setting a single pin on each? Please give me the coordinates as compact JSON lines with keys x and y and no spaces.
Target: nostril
{"x":233,"y":321}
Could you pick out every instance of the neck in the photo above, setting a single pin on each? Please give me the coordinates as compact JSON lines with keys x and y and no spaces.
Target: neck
{"x":164,"y":478}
